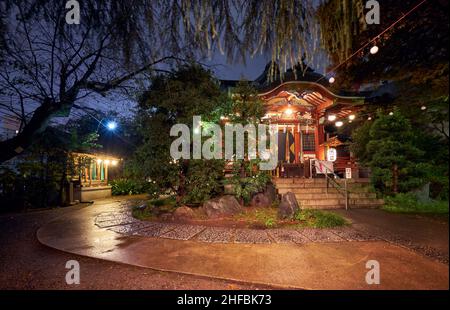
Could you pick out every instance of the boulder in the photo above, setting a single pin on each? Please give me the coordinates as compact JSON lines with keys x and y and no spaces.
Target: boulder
{"x":265,"y":198}
{"x":260,"y":200}
{"x":271,"y":192}
{"x":222,"y":206}
{"x":183,"y":213}
{"x":288,"y":206}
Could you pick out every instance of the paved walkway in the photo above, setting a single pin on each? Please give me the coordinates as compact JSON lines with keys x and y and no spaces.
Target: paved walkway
{"x":311,"y":259}
{"x":425,"y":234}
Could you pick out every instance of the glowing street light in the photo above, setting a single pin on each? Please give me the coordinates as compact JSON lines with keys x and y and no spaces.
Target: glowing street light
{"x":111,"y":125}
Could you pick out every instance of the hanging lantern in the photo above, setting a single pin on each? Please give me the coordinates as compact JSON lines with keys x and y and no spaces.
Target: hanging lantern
{"x":331,"y":154}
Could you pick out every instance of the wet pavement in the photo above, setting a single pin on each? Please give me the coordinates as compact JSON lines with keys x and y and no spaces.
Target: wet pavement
{"x":425,"y":234}
{"x":303,"y":258}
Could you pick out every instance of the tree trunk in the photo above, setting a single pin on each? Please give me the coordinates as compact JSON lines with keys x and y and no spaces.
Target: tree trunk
{"x":395,"y":179}
{"x":37,"y":124}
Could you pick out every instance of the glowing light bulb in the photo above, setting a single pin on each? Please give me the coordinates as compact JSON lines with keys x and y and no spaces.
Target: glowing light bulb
{"x":423,"y":108}
{"x":339,"y":124}
{"x":111,"y":125}
{"x":288,"y":111}
{"x":331,"y":80}
{"x":114,"y":162}
{"x":374,"y":49}
{"x":351,"y":117}
{"x":369,"y":118}
{"x":331,"y":117}
{"x":391,"y":113}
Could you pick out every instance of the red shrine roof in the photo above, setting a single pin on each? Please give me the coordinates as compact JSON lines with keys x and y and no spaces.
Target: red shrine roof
{"x":311,"y":96}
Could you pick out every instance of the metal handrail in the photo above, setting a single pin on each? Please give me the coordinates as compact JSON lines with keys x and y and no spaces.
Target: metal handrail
{"x":336,"y":184}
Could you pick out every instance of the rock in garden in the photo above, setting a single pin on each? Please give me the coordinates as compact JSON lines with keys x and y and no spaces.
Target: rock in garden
{"x":265,"y":198}
{"x":260,"y":200}
{"x":183,"y":213}
{"x":288,"y":206}
{"x":270,"y":192}
{"x":222,"y":206}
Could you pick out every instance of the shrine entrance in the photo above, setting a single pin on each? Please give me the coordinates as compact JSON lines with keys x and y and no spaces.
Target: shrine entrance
{"x":301,"y":110}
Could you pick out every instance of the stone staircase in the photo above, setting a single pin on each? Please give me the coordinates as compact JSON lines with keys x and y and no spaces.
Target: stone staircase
{"x":313,"y":193}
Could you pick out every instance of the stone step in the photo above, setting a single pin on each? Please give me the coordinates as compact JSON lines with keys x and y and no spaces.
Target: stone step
{"x":323,"y":191}
{"x":317,"y":180}
{"x":355,"y":187}
{"x":340,"y":202}
{"x":334,"y":207}
{"x":333,"y":195}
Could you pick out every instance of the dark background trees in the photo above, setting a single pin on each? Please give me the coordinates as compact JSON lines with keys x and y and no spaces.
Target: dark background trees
{"x":409,"y":75}
{"x":49,"y":66}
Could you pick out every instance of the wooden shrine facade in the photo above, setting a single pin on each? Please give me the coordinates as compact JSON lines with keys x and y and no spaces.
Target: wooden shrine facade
{"x":302,"y":111}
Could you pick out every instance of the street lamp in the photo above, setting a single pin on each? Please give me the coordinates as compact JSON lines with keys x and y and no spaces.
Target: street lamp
{"x":111,"y":125}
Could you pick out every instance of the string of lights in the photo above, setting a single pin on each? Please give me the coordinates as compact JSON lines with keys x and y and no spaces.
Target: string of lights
{"x":374,"y":48}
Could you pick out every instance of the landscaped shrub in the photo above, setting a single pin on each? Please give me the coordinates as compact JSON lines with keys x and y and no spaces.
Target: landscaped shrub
{"x":244,"y":187}
{"x":319,"y":219}
{"x":154,"y":208}
{"x":204,"y":180}
{"x":408,"y":203}
{"x":133,"y":187}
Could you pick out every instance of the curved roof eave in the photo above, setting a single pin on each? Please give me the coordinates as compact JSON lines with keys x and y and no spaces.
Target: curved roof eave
{"x":316,"y":85}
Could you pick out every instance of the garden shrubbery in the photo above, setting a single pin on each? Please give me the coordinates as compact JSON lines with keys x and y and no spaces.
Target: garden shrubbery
{"x":408,"y":203}
{"x":132,"y":187}
{"x":247,"y":180}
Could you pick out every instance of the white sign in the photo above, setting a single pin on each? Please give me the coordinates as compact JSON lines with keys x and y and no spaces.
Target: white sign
{"x":348,"y":173}
{"x":331,"y":154}
{"x":323,"y":166}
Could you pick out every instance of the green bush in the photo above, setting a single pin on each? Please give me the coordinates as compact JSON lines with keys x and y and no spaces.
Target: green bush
{"x":154,"y":208}
{"x":253,"y":182}
{"x":204,"y":180}
{"x":320,"y":219}
{"x":133,"y":187}
{"x":408,"y":203}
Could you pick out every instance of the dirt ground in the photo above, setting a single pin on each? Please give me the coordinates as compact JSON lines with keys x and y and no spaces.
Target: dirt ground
{"x":26,"y":264}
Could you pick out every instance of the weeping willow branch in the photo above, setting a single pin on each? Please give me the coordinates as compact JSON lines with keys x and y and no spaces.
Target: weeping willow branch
{"x":340,"y":21}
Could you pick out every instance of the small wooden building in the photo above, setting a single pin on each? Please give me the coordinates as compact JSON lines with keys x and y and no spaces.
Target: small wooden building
{"x":89,"y":178}
{"x":302,"y":110}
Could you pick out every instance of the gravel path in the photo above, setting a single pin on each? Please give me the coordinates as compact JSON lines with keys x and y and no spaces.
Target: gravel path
{"x":26,"y":264}
{"x":121,"y":221}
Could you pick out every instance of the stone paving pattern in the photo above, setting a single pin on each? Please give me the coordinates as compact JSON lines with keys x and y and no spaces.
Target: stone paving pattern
{"x":123,"y":222}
